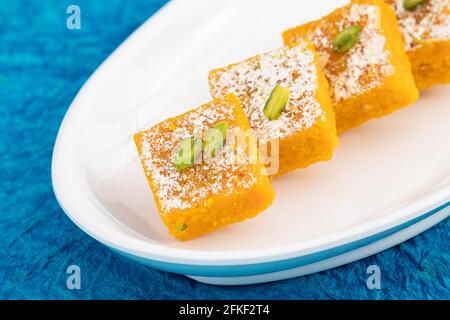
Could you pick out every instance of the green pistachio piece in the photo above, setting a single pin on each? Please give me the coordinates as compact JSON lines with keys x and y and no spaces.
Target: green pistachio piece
{"x":277,"y":102}
{"x":180,"y":227}
{"x":411,"y":5}
{"x":346,"y":39}
{"x":214,"y":139}
{"x":187,"y":152}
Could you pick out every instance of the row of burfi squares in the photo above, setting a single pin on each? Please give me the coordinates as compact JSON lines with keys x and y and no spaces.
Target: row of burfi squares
{"x":298,"y":98}
{"x":402,"y":45}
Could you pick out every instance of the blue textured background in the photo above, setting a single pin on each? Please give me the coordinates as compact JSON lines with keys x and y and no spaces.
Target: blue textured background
{"x":42,"y":66}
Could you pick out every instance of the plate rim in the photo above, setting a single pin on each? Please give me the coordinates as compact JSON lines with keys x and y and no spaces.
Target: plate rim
{"x":158,"y":252}
{"x":253,"y":269}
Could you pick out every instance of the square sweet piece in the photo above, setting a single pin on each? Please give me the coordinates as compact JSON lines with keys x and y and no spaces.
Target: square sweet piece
{"x":203,"y":195}
{"x":362,"y":53}
{"x":286,"y":99}
{"x":426,"y":32}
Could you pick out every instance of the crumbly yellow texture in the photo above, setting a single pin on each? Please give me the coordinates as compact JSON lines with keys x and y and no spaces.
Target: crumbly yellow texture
{"x":426,"y":32}
{"x":306,"y":128}
{"x":373,"y":78}
{"x":210,"y":195}
{"x":430,"y":71}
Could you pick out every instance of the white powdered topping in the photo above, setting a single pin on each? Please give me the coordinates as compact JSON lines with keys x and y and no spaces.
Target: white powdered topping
{"x":253,"y":80}
{"x":428,"y":22}
{"x":364,"y":66}
{"x":192,"y":187}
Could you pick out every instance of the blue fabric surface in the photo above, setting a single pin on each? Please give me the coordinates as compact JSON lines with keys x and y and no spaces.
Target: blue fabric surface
{"x":42,"y":66}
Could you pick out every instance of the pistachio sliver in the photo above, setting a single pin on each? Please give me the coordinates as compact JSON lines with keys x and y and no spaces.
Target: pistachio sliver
{"x":180,"y":227}
{"x":411,"y":5}
{"x":346,"y":39}
{"x":187,"y":152}
{"x":277,"y":102}
{"x":214,"y":139}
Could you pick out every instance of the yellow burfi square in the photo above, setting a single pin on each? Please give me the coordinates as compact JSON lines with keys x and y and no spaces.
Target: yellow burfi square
{"x":371,"y":79}
{"x":210,"y":194}
{"x":426,"y":32}
{"x":305,"y":131}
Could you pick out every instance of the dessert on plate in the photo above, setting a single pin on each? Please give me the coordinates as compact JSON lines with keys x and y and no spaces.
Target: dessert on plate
{"x":425,"y":25}
{"x":285,"y":97}
{"x":363,"y":57}
{"x":202,"y":178}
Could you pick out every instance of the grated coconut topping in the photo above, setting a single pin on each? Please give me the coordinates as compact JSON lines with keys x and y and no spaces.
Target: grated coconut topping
{"x":365,"y":65}
{"x":183,"y":189}
{"x":428,"y":22}
{"x":253,"y":80}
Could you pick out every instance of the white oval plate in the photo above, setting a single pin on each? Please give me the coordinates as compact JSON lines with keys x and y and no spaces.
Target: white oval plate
{"x":385,"y":177}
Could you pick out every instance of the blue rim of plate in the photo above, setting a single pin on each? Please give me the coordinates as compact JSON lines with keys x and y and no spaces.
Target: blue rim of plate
{"x":274,"y":266}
